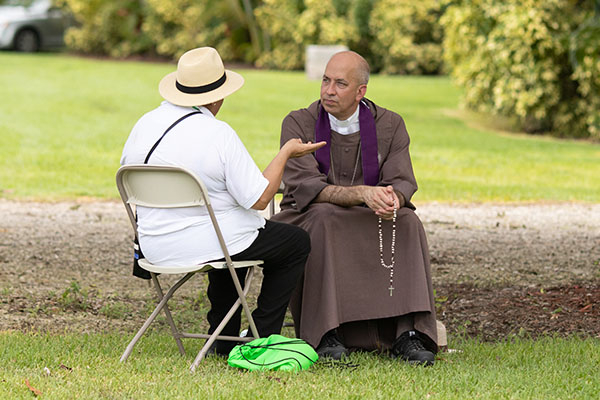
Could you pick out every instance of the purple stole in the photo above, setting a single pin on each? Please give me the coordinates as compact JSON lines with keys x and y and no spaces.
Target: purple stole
{"x":368,"y":140}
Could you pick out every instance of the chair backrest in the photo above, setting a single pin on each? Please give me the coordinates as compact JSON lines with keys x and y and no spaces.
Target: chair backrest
{"x":164,"y":186}
{"x":160,"y":186}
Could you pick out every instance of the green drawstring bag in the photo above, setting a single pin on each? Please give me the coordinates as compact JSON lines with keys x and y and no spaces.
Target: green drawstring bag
{"x":275,"y":352}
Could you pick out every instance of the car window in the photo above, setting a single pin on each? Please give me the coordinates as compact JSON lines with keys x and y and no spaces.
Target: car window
{"x":23,"y":3}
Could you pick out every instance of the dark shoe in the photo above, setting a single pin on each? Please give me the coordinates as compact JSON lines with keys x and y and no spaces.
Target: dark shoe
{"x":409,"y":347}
{"x":220,"y":349}
{"x":331,"y":347}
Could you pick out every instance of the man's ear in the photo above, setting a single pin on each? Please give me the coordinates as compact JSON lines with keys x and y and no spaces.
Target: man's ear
{"x":362,"y":91}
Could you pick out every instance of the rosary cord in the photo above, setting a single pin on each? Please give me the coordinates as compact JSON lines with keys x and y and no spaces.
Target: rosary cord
{"x":393,"y":248}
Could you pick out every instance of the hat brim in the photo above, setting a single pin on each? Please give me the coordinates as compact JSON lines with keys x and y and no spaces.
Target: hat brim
{"x":169,"y":91}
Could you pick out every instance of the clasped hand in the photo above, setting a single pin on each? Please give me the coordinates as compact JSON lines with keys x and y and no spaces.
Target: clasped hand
{"x":382,"y":200}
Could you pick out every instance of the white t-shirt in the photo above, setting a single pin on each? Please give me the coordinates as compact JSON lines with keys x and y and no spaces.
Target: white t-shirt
{"x":211,"y":149}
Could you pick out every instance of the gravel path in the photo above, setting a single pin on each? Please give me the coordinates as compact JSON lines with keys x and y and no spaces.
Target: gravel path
{"x":517,"y":245}
{"x":50,"y":253}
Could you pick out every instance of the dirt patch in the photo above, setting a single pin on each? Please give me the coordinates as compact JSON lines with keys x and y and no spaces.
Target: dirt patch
{"x":497,"y":269}
{"x":495,"y":313}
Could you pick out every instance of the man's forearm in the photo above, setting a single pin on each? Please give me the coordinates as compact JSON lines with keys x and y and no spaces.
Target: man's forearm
{"x":345,"y":196}
{"x":348,"y":196}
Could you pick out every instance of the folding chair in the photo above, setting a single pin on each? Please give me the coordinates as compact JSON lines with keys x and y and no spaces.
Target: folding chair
{"x":273,"y":206}
{"x":161,"y":186}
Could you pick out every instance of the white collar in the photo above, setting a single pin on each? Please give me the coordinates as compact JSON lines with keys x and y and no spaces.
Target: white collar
{"x":202,"y":109}
{"x":346,"y":127}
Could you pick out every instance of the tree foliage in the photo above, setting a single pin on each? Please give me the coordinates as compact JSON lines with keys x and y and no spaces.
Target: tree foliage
{"x":121,"y":28}
{"x":534,"y":61}
{"x":396,"y":36}
{"x":291,"y":25}
{"x":585,"y":59}
{"x":513,"y":59}
{"x":111,"y":27}
{"x":408,"y":35}
{"x":176,"y":26}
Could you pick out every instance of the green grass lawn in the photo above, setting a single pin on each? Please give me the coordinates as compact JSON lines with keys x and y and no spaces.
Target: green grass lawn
{"x":86,"y":367}
{"x":64,"y":120}
{"x":63,"y":123}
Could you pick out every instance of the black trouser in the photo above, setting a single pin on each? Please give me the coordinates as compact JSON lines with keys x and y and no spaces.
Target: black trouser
{"x":284,"y":249}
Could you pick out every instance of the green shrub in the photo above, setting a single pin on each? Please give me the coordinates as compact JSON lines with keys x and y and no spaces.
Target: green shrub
{"x":512,"y":58}
{"x":179,"y":25}
{"x":396,"y":36}
{"x":293,"y":25}
{"x":408,"y":35}
{"x":120,"y":28}
{"x":585,"y":56}
{"x":278,"y":18}
{"x":360,"y":12}
{"x":176,"y":26}
{"x":111,"y":27}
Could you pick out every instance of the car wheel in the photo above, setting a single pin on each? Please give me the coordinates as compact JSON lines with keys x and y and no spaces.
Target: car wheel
{"x":27,"y":40}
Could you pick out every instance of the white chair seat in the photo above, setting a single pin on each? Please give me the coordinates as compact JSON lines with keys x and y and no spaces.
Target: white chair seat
{"x":170,"y":269}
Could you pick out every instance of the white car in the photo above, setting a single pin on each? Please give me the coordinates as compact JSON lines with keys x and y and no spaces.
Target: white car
{"x":30,"y":25}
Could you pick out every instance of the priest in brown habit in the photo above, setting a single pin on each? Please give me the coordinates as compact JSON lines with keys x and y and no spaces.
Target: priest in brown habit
{"x":367,"y":282}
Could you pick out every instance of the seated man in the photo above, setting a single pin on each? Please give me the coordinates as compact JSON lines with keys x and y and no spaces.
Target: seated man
{"x":185,"y":132}
{"x":367,"y":282}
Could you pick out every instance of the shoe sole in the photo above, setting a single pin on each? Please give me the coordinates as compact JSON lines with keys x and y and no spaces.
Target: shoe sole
{"x":426,"y":363}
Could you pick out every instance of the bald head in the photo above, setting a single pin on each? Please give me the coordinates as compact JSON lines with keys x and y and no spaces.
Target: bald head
{"x":344,"y":84}
{"x":358,"y":65}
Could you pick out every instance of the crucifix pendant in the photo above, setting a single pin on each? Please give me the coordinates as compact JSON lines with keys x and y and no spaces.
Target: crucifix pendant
{"x":391,"y":290}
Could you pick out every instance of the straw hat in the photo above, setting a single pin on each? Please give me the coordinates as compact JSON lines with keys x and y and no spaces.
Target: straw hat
{"x":200,"y":79}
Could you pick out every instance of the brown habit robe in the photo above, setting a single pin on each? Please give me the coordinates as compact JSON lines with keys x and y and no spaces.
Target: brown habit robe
{"x":344,"y":285}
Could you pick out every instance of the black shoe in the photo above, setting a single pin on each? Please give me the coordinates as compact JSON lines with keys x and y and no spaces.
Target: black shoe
{"x":331,"y":347}
{"x":220,"y":348}
{"x":409,"y":347}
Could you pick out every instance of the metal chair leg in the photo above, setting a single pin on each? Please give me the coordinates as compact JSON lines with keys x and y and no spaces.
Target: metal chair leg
{"x":150,"y":319}
{"x":170,"y":321}
{"x":213,"y":337}
{"x":242,"y":296}
{"x":253,"y":328}
{"x":241,"y":299}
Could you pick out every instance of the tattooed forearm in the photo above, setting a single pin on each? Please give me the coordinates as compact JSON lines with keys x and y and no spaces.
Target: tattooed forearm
{"x":345,"y":196}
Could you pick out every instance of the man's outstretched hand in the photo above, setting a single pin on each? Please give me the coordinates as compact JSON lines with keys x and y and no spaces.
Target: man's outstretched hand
{"x":295,"y":148}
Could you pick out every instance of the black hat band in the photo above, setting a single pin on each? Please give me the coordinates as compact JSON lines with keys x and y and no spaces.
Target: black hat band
{"x":202,"y":89}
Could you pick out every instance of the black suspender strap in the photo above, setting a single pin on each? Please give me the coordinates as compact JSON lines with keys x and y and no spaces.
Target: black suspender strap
{"x":137,"y":270}
{"x":168,"y":129}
